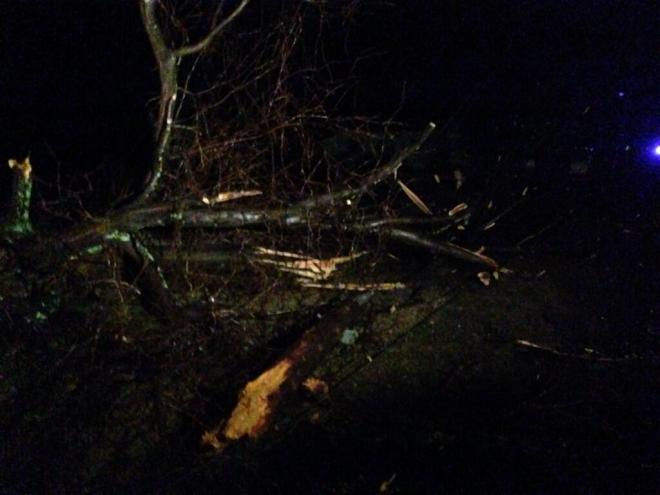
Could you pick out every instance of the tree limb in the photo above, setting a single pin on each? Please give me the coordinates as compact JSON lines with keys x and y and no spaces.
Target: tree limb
{"x":168,"y":61}
{"x":444,"y":248}
{"x":260,"y":398}
{"x":147,"y":277}
{"x":168,"y":70}
{"x":375,"y":177}
{"x":208,"y":39}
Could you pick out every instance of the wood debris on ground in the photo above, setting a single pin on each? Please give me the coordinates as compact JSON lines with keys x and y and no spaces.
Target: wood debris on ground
{"x":384,"y":286}
{"x":223,"y":197}
{"x":305,"y":267}
{"x":416,"y":200}
{"x":457,"y":209}
{"x":316,"y":386}
{"x":252,"y":414}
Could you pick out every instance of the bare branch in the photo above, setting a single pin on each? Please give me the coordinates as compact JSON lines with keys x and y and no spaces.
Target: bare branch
{"x":444,"y":248}
{"x":166,"y":214}
{"x":168,"y":63}
{"x":204,"y":43}
{"x":165,"y":57}
{"x":148,"y":278}
{"x":168,"y":60}
{"x":375,"y":177}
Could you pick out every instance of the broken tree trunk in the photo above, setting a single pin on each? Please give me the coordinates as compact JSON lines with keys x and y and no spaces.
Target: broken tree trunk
{"x":17,"y":222}
{"x":260,"y":398}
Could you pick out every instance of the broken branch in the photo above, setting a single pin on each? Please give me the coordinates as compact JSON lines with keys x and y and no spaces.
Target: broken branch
{"x":374,"y":178}
{"x":260,"y":398}
{"x":444,"y":248}
{"x":18,"y":220}
{"x":209,"y":38}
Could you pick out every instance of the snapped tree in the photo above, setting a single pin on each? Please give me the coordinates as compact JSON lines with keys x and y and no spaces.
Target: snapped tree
{"x":259,"y":193}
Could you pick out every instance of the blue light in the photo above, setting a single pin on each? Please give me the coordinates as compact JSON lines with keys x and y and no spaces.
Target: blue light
{"x":650,"y":153}
{"x":653,"y":153}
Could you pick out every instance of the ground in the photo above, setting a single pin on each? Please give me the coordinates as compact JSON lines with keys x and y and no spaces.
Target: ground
{"x":457,"y":406}
{"x":440,"y":394}
{"x":544,"y":381}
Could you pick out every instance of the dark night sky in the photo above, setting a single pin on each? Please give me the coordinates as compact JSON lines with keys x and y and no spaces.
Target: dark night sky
{"x":548,"y":58}
{"x":74,"y":83}
{"x":76,"y":74}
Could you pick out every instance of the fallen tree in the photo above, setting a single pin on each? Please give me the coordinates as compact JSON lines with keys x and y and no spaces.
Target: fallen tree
{"x":245,"y":175}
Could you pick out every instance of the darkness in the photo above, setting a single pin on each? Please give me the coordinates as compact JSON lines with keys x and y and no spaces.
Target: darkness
{"x":76,"y":80}
{"x":527,"y":77}
{"x":508,"y":83}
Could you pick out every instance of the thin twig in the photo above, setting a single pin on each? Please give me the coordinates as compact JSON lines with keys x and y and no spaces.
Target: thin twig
{"x":374,"y":178}
{"x":587,"y":357}
{"x":208,"y":39}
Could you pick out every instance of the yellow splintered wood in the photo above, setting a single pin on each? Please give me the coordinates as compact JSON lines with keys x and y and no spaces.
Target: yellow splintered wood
{"x":25,"y":167}
{"x":252,"y":413}
{"x":416,"y":200}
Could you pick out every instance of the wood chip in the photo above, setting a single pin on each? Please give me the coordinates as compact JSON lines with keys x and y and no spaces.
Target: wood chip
{"x":457,"y":209}
{"x":459,"y":178}
{"x":416,"y":200}
{"x":484,"y":278}
{"x":223,"y":197}
{"x":316,"y":386}
{"x":385,"y":485}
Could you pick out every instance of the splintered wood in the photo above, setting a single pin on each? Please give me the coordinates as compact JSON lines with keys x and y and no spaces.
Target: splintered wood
{"x":305,"y":267}
{"x":416,"y":200}
{"x":252,"y":414}
{"x":313,"y":272}
{"x":25,"y":167}
{"x":260,"y":398}
{"x":223,"y":197}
